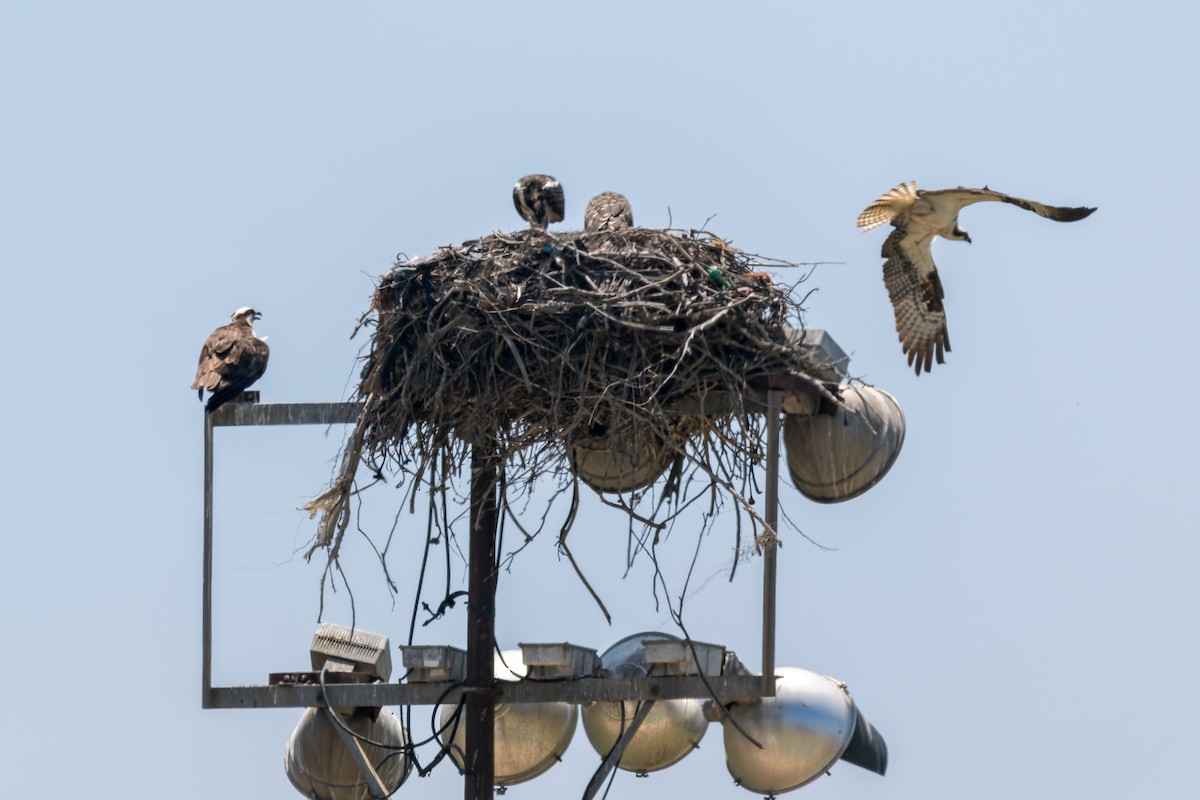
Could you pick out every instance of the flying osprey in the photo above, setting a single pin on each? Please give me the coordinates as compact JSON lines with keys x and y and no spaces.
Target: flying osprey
{"x":539,"y":200}
{"x":608,"y":211}
{"x":232,"y":358}
{"x":909,"y":272}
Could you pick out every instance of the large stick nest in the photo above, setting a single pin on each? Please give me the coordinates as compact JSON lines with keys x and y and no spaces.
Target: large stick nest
{"x":526,"y":342}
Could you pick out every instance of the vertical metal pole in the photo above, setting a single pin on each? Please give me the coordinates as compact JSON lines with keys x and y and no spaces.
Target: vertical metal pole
{"x":480,"y":709}
{"x":206,"y":645}
{"x":774,"y":408}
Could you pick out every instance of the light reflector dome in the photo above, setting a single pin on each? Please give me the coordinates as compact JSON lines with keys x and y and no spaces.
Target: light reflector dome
{"x":803,"y":730}
{"x":530,"y":738}
{"x":838,"y":456}
{"x":671,"y":730}
{"x":319,"y":765}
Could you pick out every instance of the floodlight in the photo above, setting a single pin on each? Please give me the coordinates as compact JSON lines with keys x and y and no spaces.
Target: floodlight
{"x":672,"y":728}
{"x":798,"y":734}
{"x":530,"y":738}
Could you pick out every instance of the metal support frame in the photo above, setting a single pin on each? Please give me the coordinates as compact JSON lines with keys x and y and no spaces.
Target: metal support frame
{"x":771,"y":542}
{"x":479,"y":710}
{"x":206,"y":700}
{"x":236,"y":414}
{"x":728,"y":688}
{"x":481,"y":689}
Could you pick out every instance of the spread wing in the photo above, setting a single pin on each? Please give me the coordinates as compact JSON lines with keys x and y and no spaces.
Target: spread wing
{"x":608,"y":211}
{"x":909,"y":272}
{"x":964,"y":197}
{"x":231,"y":359}
{"x":916,"y":293}
{"x":891,"y":205}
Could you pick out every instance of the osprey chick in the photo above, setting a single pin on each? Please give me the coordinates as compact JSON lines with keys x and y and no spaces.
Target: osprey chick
{"x":908,"y":270}
{"x":539,"y":200}
{"x":232,"y":358}
{"x":608,"y":211}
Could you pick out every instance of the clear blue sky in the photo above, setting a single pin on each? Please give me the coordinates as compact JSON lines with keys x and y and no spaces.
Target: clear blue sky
{"x":1014,"y":606}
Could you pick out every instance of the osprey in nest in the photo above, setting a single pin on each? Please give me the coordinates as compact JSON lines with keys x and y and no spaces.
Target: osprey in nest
{"x":908,"y":270}
{"x":232,"y":358}
{"x":539,"y":200}
{"x":608,"y":211}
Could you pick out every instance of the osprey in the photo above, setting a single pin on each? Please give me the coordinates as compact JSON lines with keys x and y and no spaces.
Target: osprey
{"x":608,"y":211}
{"x":232,"y":358}
{"x":908,"y":270}
{"x":539,"y":200}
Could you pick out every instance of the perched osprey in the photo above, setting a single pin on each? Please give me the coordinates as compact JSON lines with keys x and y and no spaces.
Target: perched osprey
{"x":232,"y":358}
{"x":608,"y":211}
{"x":539,"y":200}
{"x":909,"y":272}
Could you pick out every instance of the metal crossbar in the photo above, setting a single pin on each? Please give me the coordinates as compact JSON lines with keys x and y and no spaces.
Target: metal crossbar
{"x":235,"y":414}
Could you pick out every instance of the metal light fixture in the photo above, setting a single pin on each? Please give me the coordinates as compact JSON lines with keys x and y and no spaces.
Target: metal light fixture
{"x":838,"y":456}
{"x":672,"y":728}
{"x":530,"y":738}
{"x":348,"y":753}
{"x":321,"y":765}
{"x":810,"y":723}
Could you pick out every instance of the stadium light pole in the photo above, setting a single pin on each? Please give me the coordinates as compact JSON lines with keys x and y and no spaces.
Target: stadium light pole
{"x":479,"y":706}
